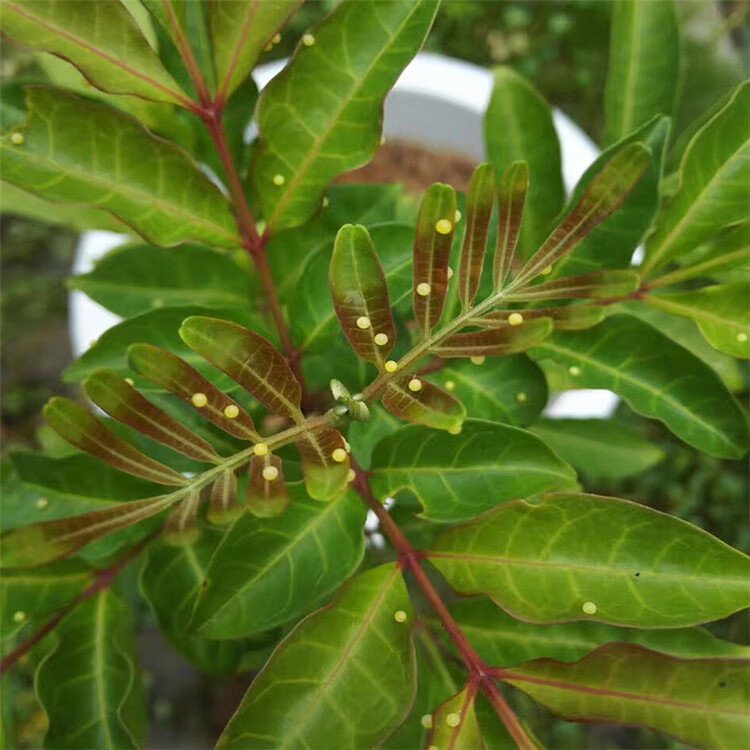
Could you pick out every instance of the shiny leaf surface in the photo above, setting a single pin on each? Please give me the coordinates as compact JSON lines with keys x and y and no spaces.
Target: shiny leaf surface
{"x":638,"y":566}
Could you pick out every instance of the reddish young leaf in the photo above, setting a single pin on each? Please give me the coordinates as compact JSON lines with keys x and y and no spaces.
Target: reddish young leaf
{"x":565,"y":318}
{"x":478,"y":213}
{"x":178,"y":377}
{"x":495,"y":341}
{"x":428,"y":405}
{"x":180,"y":528}
{"x":360,"y":294}
{"x":121,"y":401}
{"x":224,"y":507}
{"x":511,"y":199}
{"x":265,"y":493}
{"x":77,"y":426}
{"x":604,"y":195}
{"x":249,"y":360}
{"x":42,"y":543}
{"x":432,"y":248}
{"x":594,"y":285}
{"x":455,"y":725}
{"x":325,"y":461}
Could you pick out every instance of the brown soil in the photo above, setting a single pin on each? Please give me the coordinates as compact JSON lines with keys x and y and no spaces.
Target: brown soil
{"x":414,"y":167}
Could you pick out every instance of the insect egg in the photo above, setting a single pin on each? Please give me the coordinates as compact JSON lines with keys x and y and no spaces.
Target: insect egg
{"x":457,"y":216}
{"x":547,"y":271}
{"x":450,"y":272}
{"x":199,"y":400}
{"x":477,"y":360}
{"x":260,"y":449}
{"x":351,"y":475}
{"x":443,"y":226}
{"x":130,"y":381}
{"x":742,"y":337}
{"x":308,"y":40}
{"x":399,"y":616}
{"x":450,"y":385}
{"x":515,"y":319}
{"x":453,"y":719}
{"x":426,"y":721}
{"x":339,"y":455}
{"x":521,"y":397}
{"x":19,"y":616}
{"x":17,"y":139}
{"x":363,"y":322}
{"x":278,"y":180}
{"x":42,"y":503}
{"x":423,"y":289}
{"x":574,"y":371}
{"x":391,"y":365}
{"x":270,"y":473}
{"x":589,"y":608}
{"x":231,"y":411}
{"x":381,"y":339}
{"x":415,"y":384}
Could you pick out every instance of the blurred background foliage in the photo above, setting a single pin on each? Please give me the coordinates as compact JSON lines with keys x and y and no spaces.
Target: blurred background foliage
{"x":562,"y":47}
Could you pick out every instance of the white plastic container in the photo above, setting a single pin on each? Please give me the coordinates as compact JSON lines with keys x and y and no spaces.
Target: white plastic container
{"x":437,"y":102}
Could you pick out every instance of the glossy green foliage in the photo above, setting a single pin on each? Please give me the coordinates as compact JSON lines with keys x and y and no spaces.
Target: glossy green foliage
{"x":377,"y":581}
{"x":633,"y":569}
{"x":68,"y":155}
{"x":456,"y":477}
{"x":90,"y":684}
{"x":320,"y":118}
{"x":103,"y":41}
{"x":644,"y":65}
{"x":347,"y":672}
{"x":699,"y":701}
{"x":518,"y":127}
{"x":721,"y":312}
{"x":713,"y":190}
{"x":505,"y":641}
{"x":639,"y":363}
{"x":306,"y":552}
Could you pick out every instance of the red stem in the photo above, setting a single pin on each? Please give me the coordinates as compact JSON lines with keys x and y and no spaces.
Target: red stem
{"x":103,"y":580}
{"x":410,"y":558}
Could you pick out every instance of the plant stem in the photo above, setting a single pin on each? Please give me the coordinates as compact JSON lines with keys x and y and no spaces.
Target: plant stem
{"x":102,"y":580}
{"x":410,"y":558}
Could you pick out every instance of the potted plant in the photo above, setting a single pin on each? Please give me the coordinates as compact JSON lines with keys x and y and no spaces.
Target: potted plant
{"x":294,"y":355}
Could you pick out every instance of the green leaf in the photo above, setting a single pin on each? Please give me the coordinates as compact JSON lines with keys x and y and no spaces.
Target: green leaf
{"x":248,"y":359}
{"x":601,"y":558}
{"x":612,"y":244}
{"x":479,"y":202}
{"x":592,"y":285}
{"x":21,"y":203}
{"x":90,"y":684}
{"x":136,"y":278}
{"x":266,"y":498}
{"x":457,"y":476}
{"x":326,"y":476}
{"x":721,"y":312}
{"x":38,"y":593}
{"x":455,"y":724}
{"x":600,"y":448}
{"x":495,"y":342}
{"x":511,"y":390}
{"x":511,"y":200}
{"x":702,"y":702}
{"x":360,"y":294}
{"x":641,"y":364}
{"x":305,"y":553}
{"x":347,"y":672}
{"x":123,"y":402}
{"x":224,"y":507}
{"x":683,"y":332}
{"x":170,"y":580}
{"x":713,"y":185}
{"x":74,"y":424}
{"x":644,"y":65}
{"x":518,"y":127}
{"x":103,"y":41}
{"x":563,"y":318}
{"x":602,"y":196}
{"x":159,"y":328}
{"x":504,"y":641}
{"x":319,"y":118}
{"x":78,"y":151}
{"x":178,"y":377}
{"x":41,"y":543}
{"x":239,"y":32}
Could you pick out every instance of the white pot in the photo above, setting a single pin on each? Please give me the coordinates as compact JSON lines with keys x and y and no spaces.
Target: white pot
{"x":437,"y":102}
